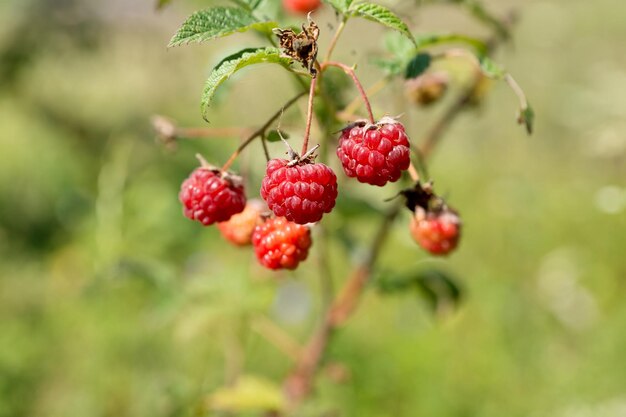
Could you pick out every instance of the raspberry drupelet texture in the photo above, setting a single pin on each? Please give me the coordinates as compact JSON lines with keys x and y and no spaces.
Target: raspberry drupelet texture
{"x":438,"y":233}
{"x":301,"y":193}
{"x":374,"y":153}
{"x":281,"y":244}
{"x":238,"y":229}
{"x":209,"y":197}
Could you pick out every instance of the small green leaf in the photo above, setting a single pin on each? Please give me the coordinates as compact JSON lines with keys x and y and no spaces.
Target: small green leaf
{"x":527,"y":118}
{"x":417,"y":65}
{"x":340,"y":6}
{"x":233,"y":63}
{"x":391,"y":66}
{"x":274,"y":136}
{"x":435,"y":39}
{"x":382,"y":15}
{"x":217,"y":22}
{"x":491,"y":69}
{"x":249,"y":393}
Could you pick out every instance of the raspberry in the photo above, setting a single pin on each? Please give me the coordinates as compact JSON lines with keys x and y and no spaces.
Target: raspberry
{"x":301,"y":6}
{"x":301,"y":193}
{"x":437,"y":232}
{"x":374,"y":154}
{"x":281,"y":244}
{"x":209,"y":196}
{"x":238,"y":229}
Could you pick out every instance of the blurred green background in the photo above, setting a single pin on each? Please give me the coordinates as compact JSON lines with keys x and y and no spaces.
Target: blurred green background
{"x":113,"y":304}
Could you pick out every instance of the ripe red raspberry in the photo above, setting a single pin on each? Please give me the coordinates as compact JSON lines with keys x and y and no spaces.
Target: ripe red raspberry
{"x":374,"y":154}
{"x":301,"y":193}
{"x":210,"y":196}
{"x":281,"y":244}
{"x":437,"y":232}
{"x":238,"y":229}
{"x":301,"y":6}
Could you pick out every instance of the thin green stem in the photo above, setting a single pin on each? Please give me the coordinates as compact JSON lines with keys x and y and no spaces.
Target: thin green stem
{"x":309,"y":116}
{"x":260,"y":131}
{"x":333,"y":41}
{"x":350,"y":71}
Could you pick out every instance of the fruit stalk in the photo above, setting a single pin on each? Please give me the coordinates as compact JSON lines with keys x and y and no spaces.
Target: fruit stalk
{"x":309,"y":116}
{"x":350,"y":71}
{"x":261,"y":130}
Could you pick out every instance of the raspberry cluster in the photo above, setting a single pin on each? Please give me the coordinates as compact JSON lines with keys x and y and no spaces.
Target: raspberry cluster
{"x":209,"y":196}
{"x":300,"y":192}
{"x":374,"y":153}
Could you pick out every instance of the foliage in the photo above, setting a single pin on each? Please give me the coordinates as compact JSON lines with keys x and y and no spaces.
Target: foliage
{"x":111,"y":303}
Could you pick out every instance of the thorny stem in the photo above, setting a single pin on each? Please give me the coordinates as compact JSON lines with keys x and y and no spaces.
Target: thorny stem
{"x":299,"y":383}
{"x":333,"y":41}
{"x":350,"y":71}
{"x":260,"y":131}
{"x":309,"y":116}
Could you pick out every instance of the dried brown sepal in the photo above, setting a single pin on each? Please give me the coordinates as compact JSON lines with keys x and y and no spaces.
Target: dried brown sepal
{"x":302,"y":46}
{"x":422,"y":196}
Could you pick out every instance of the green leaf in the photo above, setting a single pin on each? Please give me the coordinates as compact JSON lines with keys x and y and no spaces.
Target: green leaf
{"x":274,"y":136}
{"x":249,"y":393}
{"x":217,"y":22}
{"x":390,"y":66}
{"x":439,"y":288}
{"x":527,"y":118}
{"x":491,"y":69}
{"x":382,"y":15}
{"x":233,"y":63}
{"x":340,"y":6}
{"x":417,"y":65}
{"x":435,"y":39}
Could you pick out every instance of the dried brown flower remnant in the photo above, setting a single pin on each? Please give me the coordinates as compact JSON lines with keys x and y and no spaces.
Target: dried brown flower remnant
{"x":302,"y":46}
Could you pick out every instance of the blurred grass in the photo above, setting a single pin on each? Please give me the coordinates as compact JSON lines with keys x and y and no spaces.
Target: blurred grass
{"x":113,"y":304}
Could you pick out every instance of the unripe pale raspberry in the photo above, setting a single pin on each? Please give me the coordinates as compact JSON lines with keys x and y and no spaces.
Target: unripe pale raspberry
{"x":301,"y":193}
{"x":281,"y":244}
{"x":437,"y":232}
{"x":210,"y":196}
{"x":374,"y":153}
{"x":238,"y":229}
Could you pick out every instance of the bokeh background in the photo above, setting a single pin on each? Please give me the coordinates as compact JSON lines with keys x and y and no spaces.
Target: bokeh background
{"x":113,"y":304}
